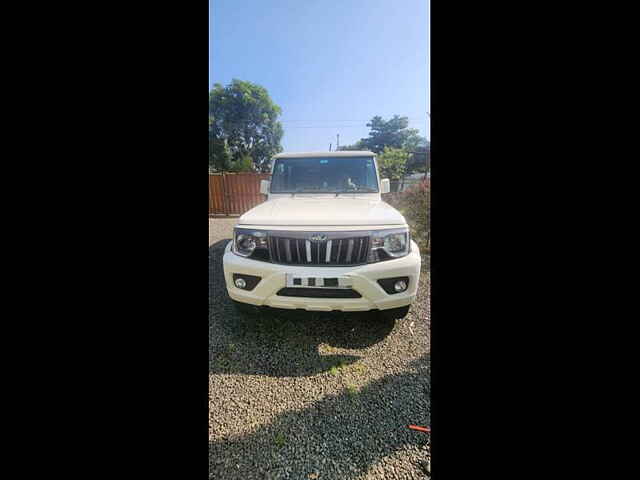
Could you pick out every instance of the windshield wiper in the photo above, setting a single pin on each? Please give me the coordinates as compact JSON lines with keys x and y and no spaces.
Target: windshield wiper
{"x":357,"y":190}
{"x":303,"y":190}
{"x":337,"y":192}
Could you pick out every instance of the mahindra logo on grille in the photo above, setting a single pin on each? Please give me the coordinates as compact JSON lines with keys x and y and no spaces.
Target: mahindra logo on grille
{"x":318,"y":237}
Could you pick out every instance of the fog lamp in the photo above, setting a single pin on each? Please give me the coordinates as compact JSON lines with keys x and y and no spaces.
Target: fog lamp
{"x":400,"y":286}
{"x":240,"y":283}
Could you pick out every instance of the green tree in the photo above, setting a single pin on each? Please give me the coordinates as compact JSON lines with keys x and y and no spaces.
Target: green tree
{"x":356,"y":146}
{"x":219,"y":153}
{"x":243,"y":164}
{"x":420,"y":158}
{"x":392,"y":133}
{"x":393,"y":163}
{"x":243,"y":121}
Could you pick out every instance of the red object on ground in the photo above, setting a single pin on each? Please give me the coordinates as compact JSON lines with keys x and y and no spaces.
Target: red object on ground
{"x":420,"y":429}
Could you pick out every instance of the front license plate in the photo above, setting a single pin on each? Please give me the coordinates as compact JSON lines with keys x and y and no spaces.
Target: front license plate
{"x":318,"y":282}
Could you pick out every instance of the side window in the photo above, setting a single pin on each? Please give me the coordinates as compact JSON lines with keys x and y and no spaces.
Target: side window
{"x":277,"y":177}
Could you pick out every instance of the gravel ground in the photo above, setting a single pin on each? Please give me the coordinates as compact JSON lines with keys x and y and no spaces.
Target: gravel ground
{"x":315,"y":396}
{"x":221,"y":228}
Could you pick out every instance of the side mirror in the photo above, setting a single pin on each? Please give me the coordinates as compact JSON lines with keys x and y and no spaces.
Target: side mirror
{"x":385,"y":186}
{"x":264,"y":186}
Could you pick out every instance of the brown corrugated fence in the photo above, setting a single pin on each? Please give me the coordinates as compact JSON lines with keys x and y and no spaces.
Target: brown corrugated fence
{"x":235,"y":193}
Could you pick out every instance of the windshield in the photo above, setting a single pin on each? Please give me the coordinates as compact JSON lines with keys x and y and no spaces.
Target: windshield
{"x":324,"y":175}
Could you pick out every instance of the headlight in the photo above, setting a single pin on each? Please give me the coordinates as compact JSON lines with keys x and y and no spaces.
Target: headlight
{"x":389,"y":243}
{"x":246,"y":242}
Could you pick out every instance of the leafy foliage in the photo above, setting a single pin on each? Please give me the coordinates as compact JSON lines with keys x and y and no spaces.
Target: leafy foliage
{"x":243,"y":164}
{"x":392,"y":163}
{"x":243,"y":123}
{"x":420,"y":158}
{"x":219,"y":153}
{"x":414,"y":204}
{"x":392,"y":133}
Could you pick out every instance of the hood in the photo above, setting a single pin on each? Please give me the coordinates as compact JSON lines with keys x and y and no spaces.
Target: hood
{"x":322,"y":211}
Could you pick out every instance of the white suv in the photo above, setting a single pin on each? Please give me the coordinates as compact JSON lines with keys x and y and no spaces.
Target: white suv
{"x":324,"y":240}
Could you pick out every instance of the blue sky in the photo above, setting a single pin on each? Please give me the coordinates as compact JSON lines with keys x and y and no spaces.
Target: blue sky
{"x":330,"y":65}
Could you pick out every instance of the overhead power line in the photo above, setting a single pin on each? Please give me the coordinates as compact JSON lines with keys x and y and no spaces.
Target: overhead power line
{"x":359,"y":125}
{"x":336,"y":121}
{"x":328,"y":126}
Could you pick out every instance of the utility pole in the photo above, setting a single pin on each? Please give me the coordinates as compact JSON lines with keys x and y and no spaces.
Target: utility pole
{"x":329,"y":147}
{"x":337,"y":141}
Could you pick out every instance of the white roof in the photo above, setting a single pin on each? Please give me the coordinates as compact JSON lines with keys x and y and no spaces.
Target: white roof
{"x":340,"y":153}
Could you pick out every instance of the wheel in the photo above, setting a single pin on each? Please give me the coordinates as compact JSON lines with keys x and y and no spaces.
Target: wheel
{"x":394,"y":313}
{"x":245,"y":308}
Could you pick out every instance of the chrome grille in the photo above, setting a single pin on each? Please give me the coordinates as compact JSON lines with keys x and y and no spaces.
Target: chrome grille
{"x":337,"y":249}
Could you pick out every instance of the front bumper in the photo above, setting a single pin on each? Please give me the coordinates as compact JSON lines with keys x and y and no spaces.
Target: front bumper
{"x":364,"y":279}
